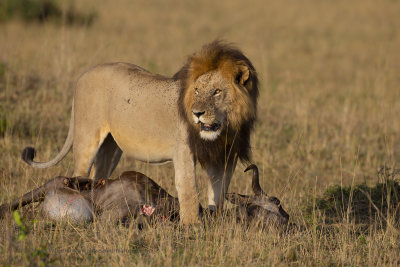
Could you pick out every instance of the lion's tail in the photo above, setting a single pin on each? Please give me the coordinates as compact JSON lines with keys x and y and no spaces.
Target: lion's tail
{"x":29,"y":152}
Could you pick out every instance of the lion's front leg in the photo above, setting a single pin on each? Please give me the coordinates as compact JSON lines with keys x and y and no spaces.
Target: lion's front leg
{"x":185,"y":182}
{"x":218,"y":183}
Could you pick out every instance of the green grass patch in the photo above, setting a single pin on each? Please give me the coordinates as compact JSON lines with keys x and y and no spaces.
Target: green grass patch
{"x":43,"y":11}
{"x":4,"y":121}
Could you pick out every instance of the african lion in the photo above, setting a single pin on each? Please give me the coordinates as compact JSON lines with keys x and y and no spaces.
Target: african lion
{"x":204,"y":113}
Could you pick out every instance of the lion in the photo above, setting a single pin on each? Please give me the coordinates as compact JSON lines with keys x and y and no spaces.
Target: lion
{"x":204,"y":113}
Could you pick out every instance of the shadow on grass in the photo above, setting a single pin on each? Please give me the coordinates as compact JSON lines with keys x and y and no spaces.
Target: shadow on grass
{"x":360,"y":204}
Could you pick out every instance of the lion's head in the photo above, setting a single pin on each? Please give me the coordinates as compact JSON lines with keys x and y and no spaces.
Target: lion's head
{"x":219,"y":98}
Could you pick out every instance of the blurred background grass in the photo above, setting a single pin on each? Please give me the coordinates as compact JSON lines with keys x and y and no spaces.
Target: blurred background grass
{"x":328,"y":110}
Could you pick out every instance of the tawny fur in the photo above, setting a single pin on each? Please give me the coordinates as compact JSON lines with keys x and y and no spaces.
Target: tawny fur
{"x":122,"y":107}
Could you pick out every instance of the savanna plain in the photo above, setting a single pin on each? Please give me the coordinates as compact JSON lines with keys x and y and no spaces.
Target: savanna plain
{"x":327,"y":138}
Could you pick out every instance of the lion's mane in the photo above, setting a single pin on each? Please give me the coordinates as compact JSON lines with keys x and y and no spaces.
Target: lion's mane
{"x":234,"y":141}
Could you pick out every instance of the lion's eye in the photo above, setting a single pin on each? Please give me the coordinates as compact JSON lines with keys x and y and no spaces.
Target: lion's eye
{"x":217,"y":91}
{"x":196,"y":91}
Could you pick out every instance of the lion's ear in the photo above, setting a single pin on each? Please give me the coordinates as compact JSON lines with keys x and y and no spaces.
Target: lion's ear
{"x":243,"y":74}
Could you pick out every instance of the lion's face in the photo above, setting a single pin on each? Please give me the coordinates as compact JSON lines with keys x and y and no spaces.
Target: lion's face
{"x":219,"y":93}
{"x":210,"y":104}
{"x":216,"y":100}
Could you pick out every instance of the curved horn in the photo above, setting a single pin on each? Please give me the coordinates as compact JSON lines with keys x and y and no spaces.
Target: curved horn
{"x":255,"y":184}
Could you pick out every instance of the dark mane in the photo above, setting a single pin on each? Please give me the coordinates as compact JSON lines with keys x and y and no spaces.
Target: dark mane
{"x":232,"y":142}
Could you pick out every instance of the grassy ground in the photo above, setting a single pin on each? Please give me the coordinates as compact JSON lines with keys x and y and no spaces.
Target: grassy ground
{"x":328,"y":116}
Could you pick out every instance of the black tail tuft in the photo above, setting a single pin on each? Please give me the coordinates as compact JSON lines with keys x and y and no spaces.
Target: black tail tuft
{"x":28,"y":154}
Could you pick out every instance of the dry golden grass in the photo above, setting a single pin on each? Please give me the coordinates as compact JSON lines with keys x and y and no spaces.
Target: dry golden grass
{"x":328,"y":114}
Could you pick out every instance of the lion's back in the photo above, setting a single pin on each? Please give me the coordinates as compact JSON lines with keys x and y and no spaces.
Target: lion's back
{"x":139,"y":108}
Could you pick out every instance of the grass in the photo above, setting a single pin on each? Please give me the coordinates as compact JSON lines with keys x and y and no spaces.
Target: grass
{"x":328,"y":120}
{"x":362,"y":204}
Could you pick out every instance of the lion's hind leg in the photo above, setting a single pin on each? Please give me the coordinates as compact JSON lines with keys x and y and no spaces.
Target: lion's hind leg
{"x":87,"y":143}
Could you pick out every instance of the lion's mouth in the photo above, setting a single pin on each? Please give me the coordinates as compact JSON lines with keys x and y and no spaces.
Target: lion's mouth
{"x":210,"y":127}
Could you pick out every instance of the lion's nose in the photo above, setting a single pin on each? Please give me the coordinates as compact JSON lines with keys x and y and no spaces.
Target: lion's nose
{"x":198,"y":113}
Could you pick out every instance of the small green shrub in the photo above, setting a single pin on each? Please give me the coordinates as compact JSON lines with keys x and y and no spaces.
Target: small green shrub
{"x":38,"y":256}
{"x":42,"y":11}
{"x":4,"y":121}
{"x":2,"y":71}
